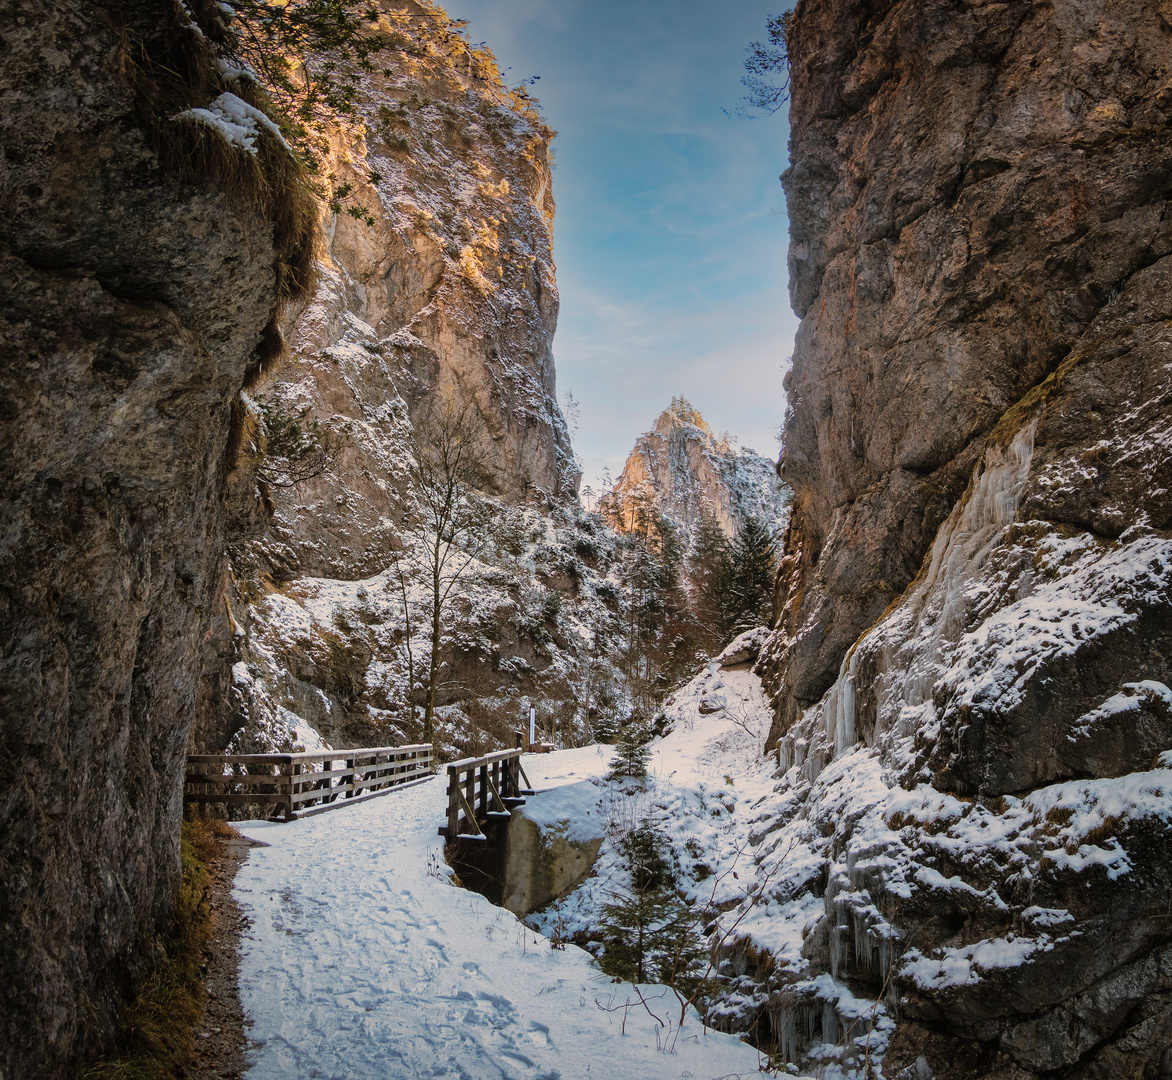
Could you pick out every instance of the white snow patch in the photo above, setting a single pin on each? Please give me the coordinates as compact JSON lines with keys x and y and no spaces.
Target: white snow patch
{"x":237,"y":121}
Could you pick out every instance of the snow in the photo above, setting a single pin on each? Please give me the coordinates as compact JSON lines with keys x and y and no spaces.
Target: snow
{"x":237,"y":121}
{"x":364,"y":960}
{"x":572,"y":811}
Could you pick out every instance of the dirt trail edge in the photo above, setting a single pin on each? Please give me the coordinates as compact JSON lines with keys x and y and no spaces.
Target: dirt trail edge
{"x":221,"y":1036}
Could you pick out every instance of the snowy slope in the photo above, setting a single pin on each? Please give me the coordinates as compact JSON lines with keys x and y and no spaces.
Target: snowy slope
{"x":709,"y":791}
{"x":364,"y":960}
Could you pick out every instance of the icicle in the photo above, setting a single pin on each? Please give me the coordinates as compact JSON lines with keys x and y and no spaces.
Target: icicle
{"x":829,"y":1023}
{"x":800,"y":748}
{"x":862,"y":945}
{"x":885,"y":954}
{"x":785,"y":754}
{"x":784,"y":1021}
{"x":844,"y":715}
{"x":835,"y":951}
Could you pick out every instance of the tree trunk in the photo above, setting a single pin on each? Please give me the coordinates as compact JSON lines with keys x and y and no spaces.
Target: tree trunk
{"x":433,"y":665}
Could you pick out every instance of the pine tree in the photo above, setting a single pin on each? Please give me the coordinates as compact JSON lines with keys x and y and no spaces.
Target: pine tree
{"x":631,"y":754}
{"x":651,"y":935}
{"x":708,"y":567}
{"x":748,"y":587}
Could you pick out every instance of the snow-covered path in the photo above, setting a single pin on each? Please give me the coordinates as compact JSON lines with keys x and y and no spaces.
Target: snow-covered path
{"x":364,"y":961}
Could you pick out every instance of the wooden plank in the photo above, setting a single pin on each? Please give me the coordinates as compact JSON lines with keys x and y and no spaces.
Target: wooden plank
{"x":471,"y":816}
{"x":280,"y":779}
{"x":204,"y":797}
{"x":241,"y":759}
{"x":388,"y":781}
{"x":315,"y":756}
{"x":366,"y":797}
{"x":471,"y":763}
{"x":496,"y":794}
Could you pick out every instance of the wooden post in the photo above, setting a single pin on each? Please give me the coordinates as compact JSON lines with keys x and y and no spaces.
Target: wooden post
{"x":469,"y":789}
{"x":453,"y":805}
{"x":351,"y":778}
{"x":294,"y":768}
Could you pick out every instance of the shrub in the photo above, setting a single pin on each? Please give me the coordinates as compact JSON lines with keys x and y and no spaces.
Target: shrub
{"x":650,"y":934}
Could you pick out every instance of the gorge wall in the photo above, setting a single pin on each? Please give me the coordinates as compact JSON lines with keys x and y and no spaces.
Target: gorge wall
{"x":682,"y":470}
{"x":971,"y":667}
{"x":136,"y":293}
{"x":446,"y":292}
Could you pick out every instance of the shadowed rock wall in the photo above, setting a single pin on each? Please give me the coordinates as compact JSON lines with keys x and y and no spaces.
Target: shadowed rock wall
{"x":971,"y":185}
{"x":132,"y":302}
{"x":971,"y":666}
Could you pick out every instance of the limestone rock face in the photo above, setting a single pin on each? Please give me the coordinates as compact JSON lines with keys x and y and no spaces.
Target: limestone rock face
{"x":972,"y":185}
{"x":971,"y":670}
{"x":551,"y":845}
{"x":684,"y":471}
{"x":131,"y":305}
{"x":446,"y":292}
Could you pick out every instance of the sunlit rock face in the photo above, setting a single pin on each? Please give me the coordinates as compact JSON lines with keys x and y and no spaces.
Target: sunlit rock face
{"x":444,"y":290}
{"x":971,"y":830}
{"x":131,"y":304}
{"x":449,"y":291}
{"x":683,"y":470}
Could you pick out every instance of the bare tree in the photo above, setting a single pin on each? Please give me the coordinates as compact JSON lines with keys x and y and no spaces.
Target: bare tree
{"x":401,"y":580}
{"x":449,"y":462}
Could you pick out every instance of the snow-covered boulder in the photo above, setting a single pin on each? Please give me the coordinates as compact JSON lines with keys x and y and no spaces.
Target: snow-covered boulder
{"x":745,"y":648}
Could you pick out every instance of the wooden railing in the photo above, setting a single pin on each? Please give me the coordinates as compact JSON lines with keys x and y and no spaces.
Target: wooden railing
{"x":483,"y":788}
{"x":297,"y":783}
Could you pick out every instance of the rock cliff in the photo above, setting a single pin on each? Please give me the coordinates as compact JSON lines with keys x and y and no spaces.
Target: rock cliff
{"x":684,"y":471}
{"x":137,"y":292}
{"x":444,"y":290}
{"x":971,"y":829}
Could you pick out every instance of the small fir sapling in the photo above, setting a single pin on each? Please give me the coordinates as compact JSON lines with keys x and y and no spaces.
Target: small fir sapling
{"x":651,"y":934}
{"x":631,"y":754}
{"x":606,"y":728}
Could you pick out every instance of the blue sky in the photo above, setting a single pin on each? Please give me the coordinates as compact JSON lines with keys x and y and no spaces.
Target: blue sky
{"x":670,"y":234}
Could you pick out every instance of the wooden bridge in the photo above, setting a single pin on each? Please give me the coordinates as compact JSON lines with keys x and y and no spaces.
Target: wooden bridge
{"x":300,"y":784}
{"x":483,"y":788}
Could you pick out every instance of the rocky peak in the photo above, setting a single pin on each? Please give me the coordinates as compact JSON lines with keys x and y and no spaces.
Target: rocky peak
{"x":686,"y":472}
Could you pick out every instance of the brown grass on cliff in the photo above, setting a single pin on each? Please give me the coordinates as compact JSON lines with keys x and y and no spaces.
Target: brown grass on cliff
{"x":178,"y":70}
{"x":156,"y":1040}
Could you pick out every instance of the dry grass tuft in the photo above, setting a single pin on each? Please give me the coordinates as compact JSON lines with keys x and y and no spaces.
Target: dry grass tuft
{"x":267,"y":356}
{"x":177,"y":70}
{"x":1102,"y":833}
{"x":157,"y":1036}
{"x":244,"y":434}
